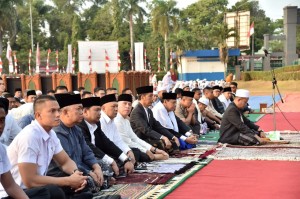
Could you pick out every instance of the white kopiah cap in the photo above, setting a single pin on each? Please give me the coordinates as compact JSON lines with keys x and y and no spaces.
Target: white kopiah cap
{"x":242,"y":93}
{"x":204,"y":101}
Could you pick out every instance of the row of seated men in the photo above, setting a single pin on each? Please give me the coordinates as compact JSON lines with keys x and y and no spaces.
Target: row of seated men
{"x":81,"y":143}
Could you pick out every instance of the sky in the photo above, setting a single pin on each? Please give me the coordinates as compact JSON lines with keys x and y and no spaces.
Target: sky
{"x":273,"y":8}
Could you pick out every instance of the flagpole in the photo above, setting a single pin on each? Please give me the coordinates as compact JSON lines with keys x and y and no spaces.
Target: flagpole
{"x":31,"y":31}
{"x":253,"y":44}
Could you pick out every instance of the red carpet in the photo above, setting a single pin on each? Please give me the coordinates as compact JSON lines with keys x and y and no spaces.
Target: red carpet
{"x":266,"y":122}
{"x":291,"y":103}
{"x":243,"y":179}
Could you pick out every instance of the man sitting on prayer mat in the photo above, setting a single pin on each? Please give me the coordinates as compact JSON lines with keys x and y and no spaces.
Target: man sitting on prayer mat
{"x":147,"y":127}
{"x":142,"y":150}
{"x":73,"y":142}
{"x":235,"y":127}
{"x":164,"y":113}
{"x":185,"y":110}
{"x":109,"y":110}
{"x":101,"y":145}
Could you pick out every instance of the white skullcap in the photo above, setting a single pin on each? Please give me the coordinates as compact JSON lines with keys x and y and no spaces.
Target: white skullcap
{"x":76,"y":92}
{"x":204,"y":101}
{"x":242,"y":93}
{"x":155,"y":92}
{"x":38,"y":92}
{"x":168,"y":73}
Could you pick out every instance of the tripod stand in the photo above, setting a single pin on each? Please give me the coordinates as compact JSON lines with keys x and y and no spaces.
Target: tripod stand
{"x":275,"y":86}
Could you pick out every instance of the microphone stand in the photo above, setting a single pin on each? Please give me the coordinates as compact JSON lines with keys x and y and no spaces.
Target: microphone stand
{"x":275,"y":86}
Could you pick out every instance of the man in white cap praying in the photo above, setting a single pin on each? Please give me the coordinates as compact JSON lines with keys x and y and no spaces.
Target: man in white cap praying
{"x":235,"y":127}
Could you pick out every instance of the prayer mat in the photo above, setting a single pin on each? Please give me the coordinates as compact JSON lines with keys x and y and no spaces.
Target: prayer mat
{"x":160,"y":191}
{"x":148,"y":178}
{"x":254,"y":117}
{"x":266,"y":122}
{"x":211,"y":138}
{"x":242,"y":179}
{"x":274,"y":153}
{"x":128,"y":191}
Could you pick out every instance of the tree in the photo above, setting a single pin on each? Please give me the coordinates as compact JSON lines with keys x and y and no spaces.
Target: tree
{"x":8,"y":19}
{"x":131,"y":9}
{"x":164,"y":16}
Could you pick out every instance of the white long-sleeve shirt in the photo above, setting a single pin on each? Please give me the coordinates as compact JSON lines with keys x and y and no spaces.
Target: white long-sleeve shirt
{"x":128,"y":136}
{"x":109,"y":128}
{"x":224,"y":101}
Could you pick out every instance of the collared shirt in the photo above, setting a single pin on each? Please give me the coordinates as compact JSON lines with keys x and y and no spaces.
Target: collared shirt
{"x":224,"y":101}
{"x":128,"y":136}
{"x":211,"y":109}
{"x":166,"y":119}
{"x":110,"y":130}
{"x":32,"y":145}
{"x":73,"y":142}
{"x":4,"y":162}
{"x":92,"y":128}
{"x":10,"y":131}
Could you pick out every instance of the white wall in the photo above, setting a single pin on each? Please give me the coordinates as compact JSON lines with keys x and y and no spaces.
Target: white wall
{"x":191,"y":65}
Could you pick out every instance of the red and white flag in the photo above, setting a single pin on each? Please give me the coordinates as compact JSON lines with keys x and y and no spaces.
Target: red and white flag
{"x":171,"y":59}
{"x":106,"y":61}
{"x":251,"y":31}
{"x":29,"y":62}
{"x":90,"y":61}
{"x":16,"y":63}
{"x":0,"y":66}
{"x":73,"y":60}
{"x":37,"y":67}
{"x":131,"y":58}
{"x":9,"y":57}
{"x":145,"y":59}
{"x":48,"y":62}
{"x":119,"y":60}
{"x":158,"y":59}
{"x":57,"y":64}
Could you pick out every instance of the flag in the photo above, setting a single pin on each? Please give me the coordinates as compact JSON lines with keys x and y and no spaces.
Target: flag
{"x":251,"y":31}
{"x":57,"y":64}
{"x":90,"y":61}
{"x":16,"y":63}
{"x":131,"y":58}
{"x":73,"y":60}
{"x":145,"y":59}
{"x":48,"y":57}
{"x":158,"y":59}
{"x":119,"y":60}
{"x":29,"y":62}
{"x":106,"y":61}
{"x":171,"y":59}
{"x":37,"y":68}
{"x":69,"y":65}
{"x":9,"y":57}
{"x":0,"y":66}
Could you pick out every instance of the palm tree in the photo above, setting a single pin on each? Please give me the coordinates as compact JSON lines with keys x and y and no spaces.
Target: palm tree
{"x":132,"y":8}
{"x":8,"y":16}
{"x":222,"y":33}
{"x":164,"y":20}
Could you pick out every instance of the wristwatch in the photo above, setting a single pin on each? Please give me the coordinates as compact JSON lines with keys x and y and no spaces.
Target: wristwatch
{"x":127,"y":160}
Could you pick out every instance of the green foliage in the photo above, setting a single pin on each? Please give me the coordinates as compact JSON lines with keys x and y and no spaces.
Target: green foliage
{"x":282,"y":74}
{"x":57,"y":23}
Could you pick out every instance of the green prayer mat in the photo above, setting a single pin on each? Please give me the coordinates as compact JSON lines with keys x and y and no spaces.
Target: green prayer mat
{"x":253,"y":117}
{"x":210,"y":136}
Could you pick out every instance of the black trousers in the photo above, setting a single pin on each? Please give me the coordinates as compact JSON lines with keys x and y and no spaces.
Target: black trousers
{"x":140,"y":156}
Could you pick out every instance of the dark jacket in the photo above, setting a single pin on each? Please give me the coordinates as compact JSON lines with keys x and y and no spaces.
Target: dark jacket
{"x":74,"y":144}
{"x":147,"y":130}
{"x":218,"y":105}
{"x":232,"y":125}
{"x":103,"y":145}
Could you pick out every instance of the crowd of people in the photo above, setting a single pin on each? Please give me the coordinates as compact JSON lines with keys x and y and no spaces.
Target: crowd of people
{"x":72,"y":144}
